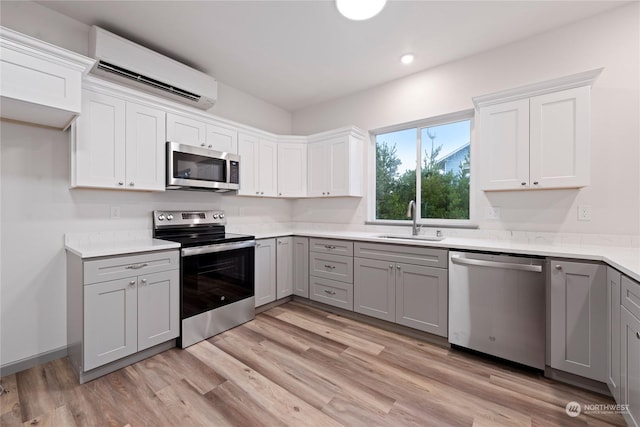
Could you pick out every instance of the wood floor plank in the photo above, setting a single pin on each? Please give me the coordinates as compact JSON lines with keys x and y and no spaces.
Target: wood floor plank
{"x":282,"y":404}
{"x":297,"y":365}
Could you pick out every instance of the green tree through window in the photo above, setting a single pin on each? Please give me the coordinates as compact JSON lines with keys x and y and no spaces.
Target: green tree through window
{"x":442,"y":152}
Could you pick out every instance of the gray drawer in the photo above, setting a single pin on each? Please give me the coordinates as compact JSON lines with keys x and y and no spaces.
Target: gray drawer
{"x":338,"y":294}
{"x":331,"y":246}
{"x":630,"y":295}
{"x":333,"y":267}
{"x":429,"y":257}
{"x":112,"y":268}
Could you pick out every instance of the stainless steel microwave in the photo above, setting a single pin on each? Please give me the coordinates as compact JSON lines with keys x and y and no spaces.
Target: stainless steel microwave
{"x":195,"y":168}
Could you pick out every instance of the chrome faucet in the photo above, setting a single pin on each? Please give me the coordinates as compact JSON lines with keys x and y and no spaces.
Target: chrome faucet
{"x":416,"y":227}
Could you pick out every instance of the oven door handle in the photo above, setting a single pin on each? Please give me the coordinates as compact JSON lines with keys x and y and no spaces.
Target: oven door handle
{"x":219,"y":247}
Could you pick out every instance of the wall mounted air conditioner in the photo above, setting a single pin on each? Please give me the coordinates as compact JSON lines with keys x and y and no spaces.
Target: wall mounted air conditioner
{"x":128,"y":63}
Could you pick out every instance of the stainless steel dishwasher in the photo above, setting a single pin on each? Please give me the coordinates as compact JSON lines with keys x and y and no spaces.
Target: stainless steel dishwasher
{"x":497,"y":306}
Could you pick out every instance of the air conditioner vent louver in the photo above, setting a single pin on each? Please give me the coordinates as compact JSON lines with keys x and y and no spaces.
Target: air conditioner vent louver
{"x":105,"y":66}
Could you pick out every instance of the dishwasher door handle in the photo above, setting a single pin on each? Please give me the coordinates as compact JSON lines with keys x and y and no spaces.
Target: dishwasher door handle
{"x":496,"y":264}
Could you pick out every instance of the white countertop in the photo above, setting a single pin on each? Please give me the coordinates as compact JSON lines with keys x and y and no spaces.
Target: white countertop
{"x":624,"y":259}
{"x":108,"y":244}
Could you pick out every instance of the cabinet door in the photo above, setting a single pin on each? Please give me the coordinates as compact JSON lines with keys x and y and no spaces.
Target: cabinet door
{"x":158,"y":308}
{"x":579,"y":319}
{"x":421,"y":298}
{"x":284,"y":267}
{"x":374,"y":288}
{"x":145,"y":148}
{"x":99,"y":147}
{"x":268,"y":169}
{"x":560,"y":142}
{"x":222,"y":139}
{"x":339,"y":161}
{"x":630,"y":364}
{"x":186,"y":130}
{"x":292,"y":170}
{"x":301,"y":266}
{"x":318,"y":169}
{"x":504,"y":145}
{"x":110,"y":321}
{"x":248,"y":149}
{"x":265,"y":281}
{"x":613,"y":332}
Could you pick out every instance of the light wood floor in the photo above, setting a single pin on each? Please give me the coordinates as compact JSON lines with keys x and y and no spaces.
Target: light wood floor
{"x":299,"y":366}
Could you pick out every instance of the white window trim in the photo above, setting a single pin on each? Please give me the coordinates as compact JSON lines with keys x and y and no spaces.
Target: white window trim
{"x":427,"y":222}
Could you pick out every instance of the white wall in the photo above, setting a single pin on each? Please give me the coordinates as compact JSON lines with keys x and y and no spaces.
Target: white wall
{"x":37,"y":208}
{"x":611,"y":40}
{"x":45,"y":24}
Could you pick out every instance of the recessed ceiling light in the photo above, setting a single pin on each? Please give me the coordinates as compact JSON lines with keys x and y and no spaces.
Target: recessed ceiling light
{"x":407,"y":58}
{"x":359,"y":10}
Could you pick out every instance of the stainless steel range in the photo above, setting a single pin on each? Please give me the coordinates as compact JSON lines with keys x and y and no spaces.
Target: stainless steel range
{"x":217,"y":285}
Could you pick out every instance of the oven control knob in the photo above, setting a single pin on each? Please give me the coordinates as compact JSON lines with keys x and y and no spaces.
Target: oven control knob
{"x":161,"y":217}
{"x":169,"y":217}
{"x":215,"y":216}
{"x":221,"y":215}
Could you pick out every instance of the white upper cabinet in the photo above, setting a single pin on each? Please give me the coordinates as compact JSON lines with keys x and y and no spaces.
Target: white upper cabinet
{"x":335,"y":164}
{"x":292,"y":169}
{"x":258,"y":166}
{"x":186,"y":130}
{"x":39,"y":83}
{"x":118,"y":144}
{"x":538,"y":136}
{"x":190,"y":131}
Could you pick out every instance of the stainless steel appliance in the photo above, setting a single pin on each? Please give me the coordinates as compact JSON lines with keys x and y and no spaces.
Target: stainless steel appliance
{"x":497,"y":306}
{"x":217,"y":289}
{"x":195,"y":168}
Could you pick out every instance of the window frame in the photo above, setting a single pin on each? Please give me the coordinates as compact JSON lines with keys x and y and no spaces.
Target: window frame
{"x":420,"y":124}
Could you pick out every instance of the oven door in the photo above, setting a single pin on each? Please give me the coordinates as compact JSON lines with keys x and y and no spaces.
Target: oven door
{"x":217,"y":275}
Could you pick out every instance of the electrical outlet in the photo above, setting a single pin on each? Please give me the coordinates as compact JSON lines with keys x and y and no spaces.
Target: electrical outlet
{"x":584,"y":213}
{"x":493,"y":212}
{"x":115,"y":212}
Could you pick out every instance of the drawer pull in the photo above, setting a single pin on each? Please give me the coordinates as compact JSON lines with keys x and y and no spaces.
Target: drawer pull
{"x":638,"y":335}
{"x":137,"y":266}
{"x":132,"y":283}
{"x":330,"y":246}
{"x":330,"y":267}
{"x":329,"y":292}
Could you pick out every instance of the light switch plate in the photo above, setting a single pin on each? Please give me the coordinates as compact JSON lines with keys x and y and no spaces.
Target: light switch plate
{"x":115,"y":212}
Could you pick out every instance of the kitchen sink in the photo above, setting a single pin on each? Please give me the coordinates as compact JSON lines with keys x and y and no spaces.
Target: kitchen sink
{"x":411,"y":237}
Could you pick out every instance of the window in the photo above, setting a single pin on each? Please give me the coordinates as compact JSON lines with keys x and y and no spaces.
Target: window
{"x":426,"y":161}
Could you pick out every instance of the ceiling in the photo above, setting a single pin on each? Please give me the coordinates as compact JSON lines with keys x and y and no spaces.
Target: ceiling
{"x":294,"y":54}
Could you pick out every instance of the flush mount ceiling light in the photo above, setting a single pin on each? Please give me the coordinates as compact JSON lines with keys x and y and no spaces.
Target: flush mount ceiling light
{"x":407,"y":58}
{"x":359,"y":10}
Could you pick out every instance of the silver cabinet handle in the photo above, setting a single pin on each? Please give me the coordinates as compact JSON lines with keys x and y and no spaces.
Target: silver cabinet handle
{"x":330,"y":267}
{"x":279,"y":194}
{"x":398,"y":267}
{"x":523,"y":183}
{"x":638,"y":335}
{"x":329,"y":246}
{"x":131,"y":283}
{"x":257,"y":192}
{"x":262,"y":192}
{"x":120,"y":183}
{"x":558,"y":267}
{"x":328,"y":193}
{"x":210,"y":146}
{"x":258,"y":245}
{"x":496,"y":264}
{"x":329,"y":292}
{"x":144,"y":281}
{"x":131,"y":184}
{"x":203,"y":144}
{"x":323,"y":193}
{"x":390,"y":265}
{"x":535,"y":182}
{"x":136,"y":266}
{"x":279,"y":242}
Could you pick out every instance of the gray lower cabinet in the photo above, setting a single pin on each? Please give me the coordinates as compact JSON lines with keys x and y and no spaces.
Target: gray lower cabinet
{"x":284,"y":267}
{"x":119,"y":306}
{"x":265,"y":271}
{"x":630,"y":350}
{"x":301,"y":266}
{"x":613,"y":332}
{"x":331,"y":272}
{"x":578,"y":318}
{"x":410,"y":293}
